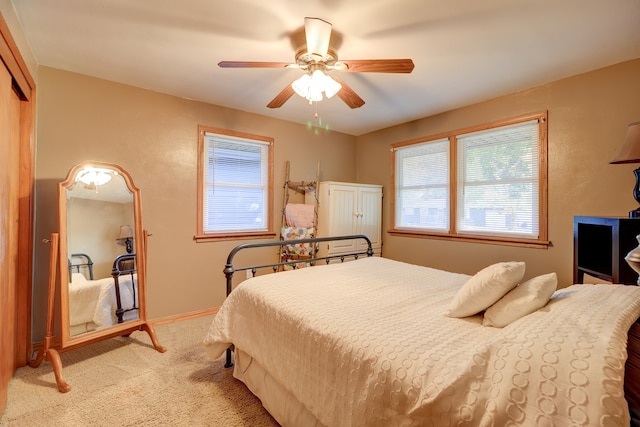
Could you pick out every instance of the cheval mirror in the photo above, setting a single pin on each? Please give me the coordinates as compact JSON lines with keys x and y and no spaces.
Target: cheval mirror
{"x":99,"y":255}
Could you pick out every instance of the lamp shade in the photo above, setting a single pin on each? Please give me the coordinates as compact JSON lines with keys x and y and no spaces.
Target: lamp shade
{"x":630,"y":151}
{"x":126,"y":232}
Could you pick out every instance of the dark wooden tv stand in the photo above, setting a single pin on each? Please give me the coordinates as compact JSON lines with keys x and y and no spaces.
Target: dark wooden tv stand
{"x":600,"y":245}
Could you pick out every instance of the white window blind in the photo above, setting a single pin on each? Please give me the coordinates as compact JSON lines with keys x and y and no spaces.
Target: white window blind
{"x":422,"y":186}
{"x":498,"y":176}
{"x":236,"y":184}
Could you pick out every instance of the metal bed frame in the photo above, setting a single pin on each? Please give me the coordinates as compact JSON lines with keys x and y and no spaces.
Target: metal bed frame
{"x":229,"y":268}
{"x":124,"y":264}
{"x":632,"y":366}
{"x":88,"y":263}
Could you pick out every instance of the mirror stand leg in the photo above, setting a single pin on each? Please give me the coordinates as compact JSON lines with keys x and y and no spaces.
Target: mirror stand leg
{"x":47,"y":352}
{"x":53,"y":357}
{"x":34,"y":363}
{"x":154,"y":339}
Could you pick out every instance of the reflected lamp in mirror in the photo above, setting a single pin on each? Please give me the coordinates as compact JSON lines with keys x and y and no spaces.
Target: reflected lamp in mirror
{"x":125,"y":238}
{"x":630,"y":153}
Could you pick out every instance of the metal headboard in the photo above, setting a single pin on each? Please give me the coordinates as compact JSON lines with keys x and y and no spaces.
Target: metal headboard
{"x":229,"y":268}
{"x":87,"y":263}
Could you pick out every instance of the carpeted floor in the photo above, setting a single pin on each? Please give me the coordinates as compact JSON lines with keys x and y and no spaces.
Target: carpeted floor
{"x":125,"y":382}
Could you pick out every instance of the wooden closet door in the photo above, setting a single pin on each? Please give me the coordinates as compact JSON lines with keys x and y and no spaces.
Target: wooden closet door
{"x":9,"y":202}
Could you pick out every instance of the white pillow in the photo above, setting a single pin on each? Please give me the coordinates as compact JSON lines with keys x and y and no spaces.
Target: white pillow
{"x":77,"y":278}
{"x":522,"y":300}
{"x":485,"y":288}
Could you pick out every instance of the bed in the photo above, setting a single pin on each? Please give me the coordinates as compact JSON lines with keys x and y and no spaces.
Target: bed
{"x":371,"y":342}
{"x":99,"y":303}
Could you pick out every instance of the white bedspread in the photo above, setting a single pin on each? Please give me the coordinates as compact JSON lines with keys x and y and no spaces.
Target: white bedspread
{"x":95,"y":300}
{"x":367,"y":343}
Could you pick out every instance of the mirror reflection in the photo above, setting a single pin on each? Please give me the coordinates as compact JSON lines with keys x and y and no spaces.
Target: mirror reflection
{"x":101,"y":242}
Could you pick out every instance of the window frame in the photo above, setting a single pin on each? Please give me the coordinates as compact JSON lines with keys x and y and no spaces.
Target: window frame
{"x":201,"y":235}
{"x":453,"y":234}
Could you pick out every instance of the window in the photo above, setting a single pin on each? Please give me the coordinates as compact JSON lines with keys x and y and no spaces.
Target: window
{"x":485,"y":183}
{"x":422,"y":190}
{"x":235,"y":184}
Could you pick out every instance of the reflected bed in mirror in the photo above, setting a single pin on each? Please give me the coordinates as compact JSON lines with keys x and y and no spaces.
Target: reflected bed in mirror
{"x":95,"y":304}
{"x":100,"y":222}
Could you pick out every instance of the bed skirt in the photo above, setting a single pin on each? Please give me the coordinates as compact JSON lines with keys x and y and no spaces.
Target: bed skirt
{"x":281,"y":404}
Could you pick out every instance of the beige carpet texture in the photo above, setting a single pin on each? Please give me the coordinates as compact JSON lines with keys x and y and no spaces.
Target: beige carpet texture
{"x":126,"y":382}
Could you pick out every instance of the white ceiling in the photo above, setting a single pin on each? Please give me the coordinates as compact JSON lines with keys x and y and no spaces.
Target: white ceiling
{"x":465,"y":51}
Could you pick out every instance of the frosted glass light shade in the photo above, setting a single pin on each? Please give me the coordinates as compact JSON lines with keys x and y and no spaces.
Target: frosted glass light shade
{"x":301,"y":85}
{"x":331,"y":87}
{"x":94,"y":176}
{"x":312,"y":86}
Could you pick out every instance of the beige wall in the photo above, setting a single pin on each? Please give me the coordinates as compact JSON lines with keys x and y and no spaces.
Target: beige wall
{"x":10,"y":17}
{"x":93,"y":226}
{"x":588,"y":118}
{"x":154,"y":137}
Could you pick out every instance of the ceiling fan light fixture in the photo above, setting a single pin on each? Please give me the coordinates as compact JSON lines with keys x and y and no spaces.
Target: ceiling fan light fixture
{"x":331,"y":87}
{"x":314,"y":95}
{"x":94,"y":176}
{"x":317,"y":80}
{"x":312,"y":86}
{"x":301,"y":85}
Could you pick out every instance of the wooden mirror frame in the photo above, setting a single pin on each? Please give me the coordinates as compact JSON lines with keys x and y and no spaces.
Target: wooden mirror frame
{"x":63,"y":187}
{"x":59,"y":258}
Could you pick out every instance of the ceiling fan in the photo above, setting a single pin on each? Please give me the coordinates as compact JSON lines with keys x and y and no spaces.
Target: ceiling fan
{"x":316,"y":57}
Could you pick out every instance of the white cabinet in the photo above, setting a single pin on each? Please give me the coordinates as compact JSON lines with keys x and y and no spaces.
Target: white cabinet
{"x":347,"y":209}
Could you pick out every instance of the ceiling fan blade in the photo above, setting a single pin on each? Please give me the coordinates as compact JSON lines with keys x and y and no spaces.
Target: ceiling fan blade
{"x":378,"y":66}
{"x":348,"y":95}
{"x":250,"y":64}
{"x":318,"y":34}
{"x":281,"y":98}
